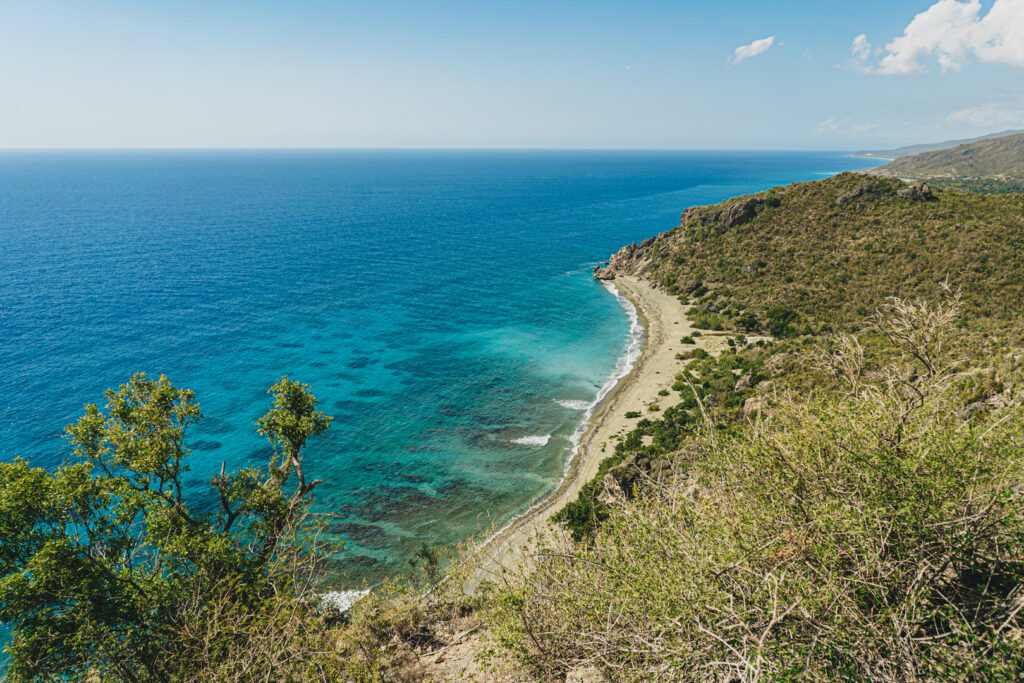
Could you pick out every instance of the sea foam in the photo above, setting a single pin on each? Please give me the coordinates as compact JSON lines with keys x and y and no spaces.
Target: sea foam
{"x":541,"y":440}
{"x":574,"y":405}
{"x":341,"y":601}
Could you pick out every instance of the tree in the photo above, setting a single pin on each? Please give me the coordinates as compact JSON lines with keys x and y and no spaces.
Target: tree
{"x":781,"y":319}
{"x":107,"y":568}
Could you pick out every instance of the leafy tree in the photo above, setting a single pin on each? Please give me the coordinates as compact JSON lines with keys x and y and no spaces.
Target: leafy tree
{"x":780,"y":320}
{"x":108,"y":569}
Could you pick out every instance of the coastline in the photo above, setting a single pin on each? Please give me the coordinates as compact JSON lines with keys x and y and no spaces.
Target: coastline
{"x":664,"y":323}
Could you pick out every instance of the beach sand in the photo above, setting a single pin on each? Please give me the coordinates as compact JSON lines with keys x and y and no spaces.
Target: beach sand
{"x":664,"y":320}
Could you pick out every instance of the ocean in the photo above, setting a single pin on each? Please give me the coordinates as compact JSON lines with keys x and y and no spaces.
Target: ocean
{"x":440,"y":304}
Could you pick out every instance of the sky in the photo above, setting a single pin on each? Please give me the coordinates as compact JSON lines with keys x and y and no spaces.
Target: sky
{"x":732,"y":74}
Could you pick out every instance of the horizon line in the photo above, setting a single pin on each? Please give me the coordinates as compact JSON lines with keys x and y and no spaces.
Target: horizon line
{"x":419,"y":149}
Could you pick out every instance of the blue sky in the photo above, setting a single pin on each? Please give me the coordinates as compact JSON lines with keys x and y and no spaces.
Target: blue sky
{"x":595,"y":74}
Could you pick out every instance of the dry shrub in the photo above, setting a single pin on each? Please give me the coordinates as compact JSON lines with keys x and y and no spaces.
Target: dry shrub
{"x":229,"y":632}
{"x":871,"y":536}
{"x":395,"y":626}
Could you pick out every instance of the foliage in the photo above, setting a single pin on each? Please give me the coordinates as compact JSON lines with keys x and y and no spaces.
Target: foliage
{"x":710,"y":390}
{"x":107,"y":569}
{"x":871,"y":533}
{"x":980,"y":185}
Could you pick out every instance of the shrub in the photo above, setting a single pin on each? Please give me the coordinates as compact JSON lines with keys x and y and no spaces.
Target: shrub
{"x":707,"y":320}
{"x":781,"y":321}
{"x":870,"y":536}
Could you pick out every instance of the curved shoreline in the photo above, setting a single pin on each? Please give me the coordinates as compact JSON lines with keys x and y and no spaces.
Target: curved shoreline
{"x":664,"y":322}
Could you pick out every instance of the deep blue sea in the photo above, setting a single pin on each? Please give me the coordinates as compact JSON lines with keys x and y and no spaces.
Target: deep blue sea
{"x":439,"y":302}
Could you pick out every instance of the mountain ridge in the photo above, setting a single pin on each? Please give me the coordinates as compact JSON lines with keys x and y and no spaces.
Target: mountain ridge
{"x":998,"y":158}
{"x":911,"y":150}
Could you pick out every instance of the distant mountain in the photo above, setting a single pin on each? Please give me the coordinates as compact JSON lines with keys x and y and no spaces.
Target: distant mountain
{"x":999,"y":158}
{"x":911,"y":150}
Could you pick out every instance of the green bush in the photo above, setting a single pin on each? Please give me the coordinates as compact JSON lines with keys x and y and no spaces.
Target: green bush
{"x":707,"y":320}
{"x":781,"y":320}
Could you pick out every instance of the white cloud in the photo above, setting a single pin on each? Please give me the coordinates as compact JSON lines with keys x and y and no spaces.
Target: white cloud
{"x":841,"y":125}
{"x":954,"y":31}
{"x":861,"y":48}
{"x":753,"y":50}
{"x":831,"y":125}
{"x":992,"y":115}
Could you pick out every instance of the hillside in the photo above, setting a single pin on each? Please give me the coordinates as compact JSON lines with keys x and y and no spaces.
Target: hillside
{"x":911,"y":150}
{"x":810,"y":506}
{"x":825,"y":253}
{"x":1000,"y":158}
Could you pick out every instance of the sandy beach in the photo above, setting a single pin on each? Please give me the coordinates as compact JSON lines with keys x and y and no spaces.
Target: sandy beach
{"x":664,"y":320}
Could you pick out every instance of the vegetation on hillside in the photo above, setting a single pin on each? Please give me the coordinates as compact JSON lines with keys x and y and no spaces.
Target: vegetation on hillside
{"x":980,"y":185}
{"x":819,"y":256}
{"x":845,"y":502}
{"x":870,"y":531}
{"x":910,"y":150}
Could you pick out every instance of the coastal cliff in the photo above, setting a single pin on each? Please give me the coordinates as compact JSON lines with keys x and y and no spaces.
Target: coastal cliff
{"x":639,"y":259}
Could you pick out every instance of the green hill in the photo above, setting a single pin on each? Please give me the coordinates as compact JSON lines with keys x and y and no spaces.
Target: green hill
{"x":829,"y":251}
{"x":1001,"y":158}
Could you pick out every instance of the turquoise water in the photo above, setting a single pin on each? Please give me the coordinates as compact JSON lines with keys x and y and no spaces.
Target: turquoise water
{"x":439,"y":303}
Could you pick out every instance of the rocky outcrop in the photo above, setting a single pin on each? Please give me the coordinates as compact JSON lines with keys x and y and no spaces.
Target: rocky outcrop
{"x":918,"y":192}
{"x":620,"y":482}
{"x":866,"y":190}
{"x":736,"y":212}
{"x":632,"y":259}
{"x":638,"y":258}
